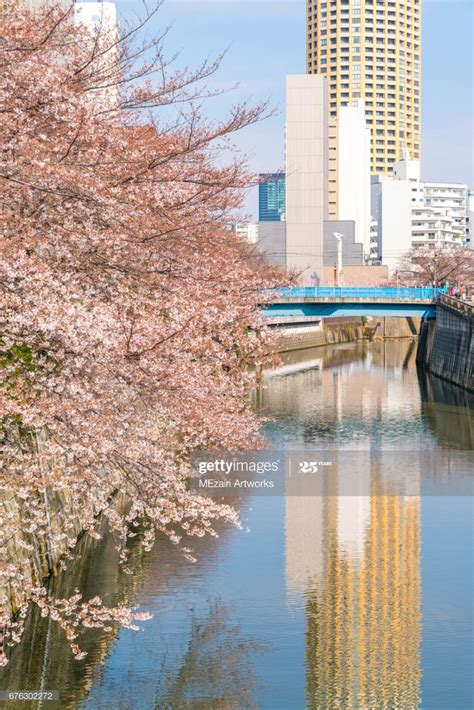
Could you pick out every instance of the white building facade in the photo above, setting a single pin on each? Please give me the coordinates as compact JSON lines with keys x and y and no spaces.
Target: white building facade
{"x":100,"y":19}
{"x":247,"y":231}
{"x":438,"y":213}
{"x":470,"y":219}
{"x":353,"y":171}
{"x":431,"y":227}
{"x":392,"y":211}
{"x":97,"y":14}
{"x":449,"y":201}
{"x":306,"y":174}
{"x":440,"y":210}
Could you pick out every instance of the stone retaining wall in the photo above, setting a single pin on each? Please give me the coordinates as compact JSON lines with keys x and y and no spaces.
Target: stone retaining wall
{"x":446,"y":346}
{"x":390,"y":327}
{"x":36,"y":556}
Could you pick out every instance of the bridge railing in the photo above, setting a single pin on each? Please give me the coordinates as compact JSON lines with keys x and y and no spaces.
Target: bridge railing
{"x":385,"y":292}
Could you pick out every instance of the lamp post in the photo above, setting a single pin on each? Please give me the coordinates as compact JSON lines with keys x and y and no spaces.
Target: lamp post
{"x":338,"y":237}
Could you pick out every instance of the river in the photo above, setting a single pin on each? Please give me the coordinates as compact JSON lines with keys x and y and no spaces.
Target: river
{"x":340,"y":601}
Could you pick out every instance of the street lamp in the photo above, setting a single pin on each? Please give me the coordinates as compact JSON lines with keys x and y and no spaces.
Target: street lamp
{"x":338,"y":237}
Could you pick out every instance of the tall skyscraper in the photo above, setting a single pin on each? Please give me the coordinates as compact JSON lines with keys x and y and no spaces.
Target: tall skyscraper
{"x":371,"y":50}
{"x":271,"y":197}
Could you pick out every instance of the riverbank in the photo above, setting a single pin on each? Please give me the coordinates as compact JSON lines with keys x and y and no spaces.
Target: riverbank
{"x":446,"y":345}
{"x":36,"y":556}
{"x":39,"y":557}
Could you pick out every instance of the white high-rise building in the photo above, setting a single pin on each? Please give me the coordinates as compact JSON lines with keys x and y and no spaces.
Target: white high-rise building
{"x":100,"y":18}
{"x":91,"y":12}
{"x":440,"y":210}
{"x":306,"y":174}
{"x":392,"y":211}
{"x":95,"y":14}
{"x":470,"y":219}
{"x":353,"y":171}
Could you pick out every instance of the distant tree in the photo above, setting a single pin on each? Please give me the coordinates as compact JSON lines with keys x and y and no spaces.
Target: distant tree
{"x":439,"y":265}
{"x":130,"y":313}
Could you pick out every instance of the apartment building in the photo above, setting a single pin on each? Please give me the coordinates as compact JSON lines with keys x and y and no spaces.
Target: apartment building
{"x":371,"y":50}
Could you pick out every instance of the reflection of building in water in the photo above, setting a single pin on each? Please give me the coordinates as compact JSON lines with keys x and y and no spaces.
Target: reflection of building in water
{"x":352,"y":388}
{"x":307,"y":518}
{"x":355,"y":557}
{"x":363,"y":636}
{"x":304,"y":526}
{"x":357,"y":560}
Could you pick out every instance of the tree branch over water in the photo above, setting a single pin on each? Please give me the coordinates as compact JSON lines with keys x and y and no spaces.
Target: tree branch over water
{"x":114,"y":241}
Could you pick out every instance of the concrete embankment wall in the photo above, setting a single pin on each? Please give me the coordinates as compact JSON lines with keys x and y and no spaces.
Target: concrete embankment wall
{"x":446,"y":347}
{"x":297,"y":339}
{"x":37,"y":556}
{"x":398,"y":327}
{"x":346,"y":330}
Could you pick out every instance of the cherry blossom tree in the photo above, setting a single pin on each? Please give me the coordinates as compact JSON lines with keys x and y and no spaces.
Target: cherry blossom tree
{"x":439,"y":265}
{"x":130,"y":316}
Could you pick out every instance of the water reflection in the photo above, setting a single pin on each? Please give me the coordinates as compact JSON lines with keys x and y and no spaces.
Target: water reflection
{"x":363,"y":633}
{"x":447,"y":410}
{"x":329,"y":587}
{"x":216,"y":670}
{"x":355,"y":561}
{"x":359,"y":394}
{"x":43,"y":659}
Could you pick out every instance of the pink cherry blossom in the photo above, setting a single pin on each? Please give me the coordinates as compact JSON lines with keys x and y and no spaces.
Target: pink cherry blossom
{"x":130,"y":327}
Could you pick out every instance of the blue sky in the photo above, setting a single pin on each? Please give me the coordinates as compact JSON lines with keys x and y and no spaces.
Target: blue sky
{"x":265,"y":40}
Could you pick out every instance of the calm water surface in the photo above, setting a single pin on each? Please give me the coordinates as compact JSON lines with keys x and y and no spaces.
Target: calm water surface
{"x":337,"y":602}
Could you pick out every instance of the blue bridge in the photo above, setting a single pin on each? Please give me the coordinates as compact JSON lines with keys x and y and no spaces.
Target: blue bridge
{"x":306,"y":302}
